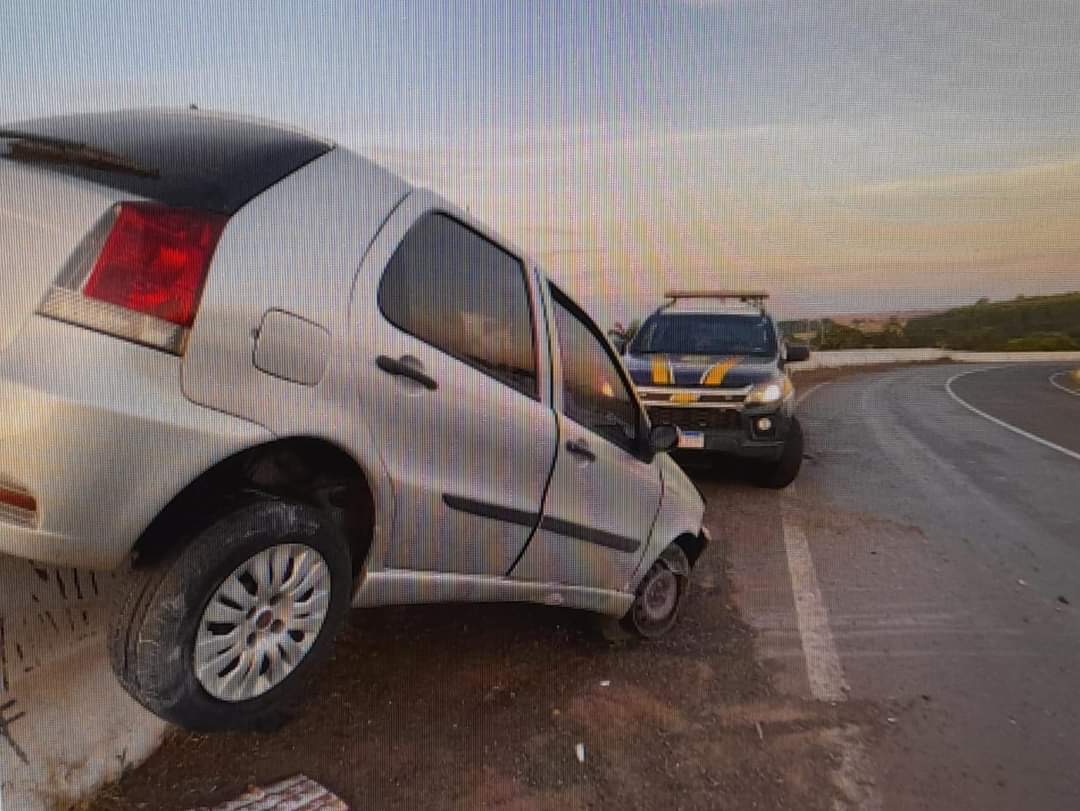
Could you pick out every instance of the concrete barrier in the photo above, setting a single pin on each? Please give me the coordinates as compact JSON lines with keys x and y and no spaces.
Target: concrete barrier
{"x":66,"y":725}
{"x":834,"y":359}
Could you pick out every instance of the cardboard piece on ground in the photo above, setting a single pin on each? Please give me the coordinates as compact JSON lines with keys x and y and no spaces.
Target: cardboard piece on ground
{"x":298,"y":793}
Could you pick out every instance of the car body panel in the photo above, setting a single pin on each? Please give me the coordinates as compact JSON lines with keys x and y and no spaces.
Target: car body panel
{"x":681,"y":514}
{"x":43,"y":218}
{"x":469,"y":461}
{"x":307,"y":236}
{"x":617,"y":494}
{"x":397,"y":587}
{"x":597,"y":515}
{"x":96,"y":430}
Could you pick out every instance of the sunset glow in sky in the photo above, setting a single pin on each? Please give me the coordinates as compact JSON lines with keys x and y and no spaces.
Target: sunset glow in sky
{"x":849,"y":156}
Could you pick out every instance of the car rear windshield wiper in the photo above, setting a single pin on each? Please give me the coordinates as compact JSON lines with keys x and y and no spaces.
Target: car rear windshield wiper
{"x":31,"y":148}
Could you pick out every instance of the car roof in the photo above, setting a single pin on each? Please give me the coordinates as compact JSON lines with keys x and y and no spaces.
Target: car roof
{"x":178,"y":157}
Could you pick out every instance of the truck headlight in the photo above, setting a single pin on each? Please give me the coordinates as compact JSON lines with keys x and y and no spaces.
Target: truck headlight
{"x":769,"y":393}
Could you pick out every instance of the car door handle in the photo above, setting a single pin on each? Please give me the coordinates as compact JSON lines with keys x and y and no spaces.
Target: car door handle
{"x":579,"y":447}
{"x":400,"y":368}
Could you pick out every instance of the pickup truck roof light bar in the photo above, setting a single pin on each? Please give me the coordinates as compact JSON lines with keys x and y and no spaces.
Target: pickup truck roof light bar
{"x":748,"y":296}
{"x":754,"y":298}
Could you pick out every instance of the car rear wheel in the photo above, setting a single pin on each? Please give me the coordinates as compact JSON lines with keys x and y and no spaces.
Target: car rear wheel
{"x":783,"y":472}
{"x":224,"y":633}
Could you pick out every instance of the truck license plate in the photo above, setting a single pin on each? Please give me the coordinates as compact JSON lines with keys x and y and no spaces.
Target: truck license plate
{"x":691,"y":439}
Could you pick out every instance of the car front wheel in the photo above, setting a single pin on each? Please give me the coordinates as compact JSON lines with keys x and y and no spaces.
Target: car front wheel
{"x":659,"y":596}
{"x":224,"y":633}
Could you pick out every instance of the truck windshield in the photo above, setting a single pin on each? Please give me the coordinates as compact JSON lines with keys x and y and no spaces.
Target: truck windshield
{"x":701,"y":334}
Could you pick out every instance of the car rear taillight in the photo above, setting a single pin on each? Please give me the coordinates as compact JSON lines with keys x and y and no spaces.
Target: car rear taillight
{"x":140,"y":275}
{"x":17,"y":505}
{"x":155,"y":261}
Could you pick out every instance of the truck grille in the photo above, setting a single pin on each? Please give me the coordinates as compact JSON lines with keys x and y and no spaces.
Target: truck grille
{"x":695,"y":419}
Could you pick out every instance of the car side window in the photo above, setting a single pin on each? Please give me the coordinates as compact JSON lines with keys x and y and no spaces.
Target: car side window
{"x":594,"y":393}
{"x":459,"y":292}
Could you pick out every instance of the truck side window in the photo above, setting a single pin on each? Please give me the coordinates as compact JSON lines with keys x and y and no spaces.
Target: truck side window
{"x":594,"y":393}
{"x":455,"y":290}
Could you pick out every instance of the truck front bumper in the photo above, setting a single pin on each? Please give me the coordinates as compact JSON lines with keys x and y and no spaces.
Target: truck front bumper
{"x":729,"y":431}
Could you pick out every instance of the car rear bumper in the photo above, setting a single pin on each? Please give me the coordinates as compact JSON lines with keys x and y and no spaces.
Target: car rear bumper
{"x":98,"y":435}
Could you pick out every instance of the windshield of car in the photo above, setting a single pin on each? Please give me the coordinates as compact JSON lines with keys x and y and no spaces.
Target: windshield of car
{"x":710,"y":334}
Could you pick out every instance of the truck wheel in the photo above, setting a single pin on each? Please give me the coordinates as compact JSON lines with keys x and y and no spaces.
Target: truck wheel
{"x":224,"y":633}
{"x":782,"y":472}
{"x":659,"y":595}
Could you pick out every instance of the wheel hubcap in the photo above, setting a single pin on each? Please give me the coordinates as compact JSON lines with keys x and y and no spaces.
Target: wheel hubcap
{"x":660,"y":596}
{"x":261,"y":622}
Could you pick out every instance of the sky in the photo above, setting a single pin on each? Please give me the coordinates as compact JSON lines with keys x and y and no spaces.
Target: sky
{"x":856,"y":156}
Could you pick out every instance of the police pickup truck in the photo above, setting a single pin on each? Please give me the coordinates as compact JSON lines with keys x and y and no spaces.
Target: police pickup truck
{"x":710,"y":363}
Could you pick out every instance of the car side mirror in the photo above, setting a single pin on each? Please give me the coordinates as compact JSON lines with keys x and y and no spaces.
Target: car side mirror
{"x":797,"y":353}
{"x":663,"y":438}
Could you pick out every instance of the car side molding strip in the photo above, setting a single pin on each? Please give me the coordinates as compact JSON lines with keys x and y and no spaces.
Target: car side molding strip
{"x":619,"y":543}
{"x":485,"y":510}
{"x":524,"y":518}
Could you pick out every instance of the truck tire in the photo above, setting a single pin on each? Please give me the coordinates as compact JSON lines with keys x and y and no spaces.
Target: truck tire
{"x":225,"y":632}
{"x":783,"y":471}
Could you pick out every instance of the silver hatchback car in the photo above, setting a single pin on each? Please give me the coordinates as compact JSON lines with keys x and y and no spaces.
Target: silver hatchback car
{"x":271,"y":379}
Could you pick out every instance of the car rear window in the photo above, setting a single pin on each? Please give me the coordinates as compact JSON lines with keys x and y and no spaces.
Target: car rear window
{"x":183,"y":158}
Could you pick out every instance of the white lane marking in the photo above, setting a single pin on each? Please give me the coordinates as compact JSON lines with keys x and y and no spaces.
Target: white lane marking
{"x":819,"y":648}
{"x":1053,"y":382}
{"x":806,"y":394}
{"x":1045,"y":442}
{"x":855,"y":775}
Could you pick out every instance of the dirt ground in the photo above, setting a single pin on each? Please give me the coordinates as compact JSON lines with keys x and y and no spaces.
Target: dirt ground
{"x":482,"y":706}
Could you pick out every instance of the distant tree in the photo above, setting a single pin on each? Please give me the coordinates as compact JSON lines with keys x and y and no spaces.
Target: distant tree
{"x":837,"y":336}
{"x":1043,"y":342}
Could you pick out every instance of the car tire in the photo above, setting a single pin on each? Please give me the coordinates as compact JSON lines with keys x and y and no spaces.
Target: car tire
{"x":782,"y":472}
{"x":659,"y":596}
{"x":264,"y":585}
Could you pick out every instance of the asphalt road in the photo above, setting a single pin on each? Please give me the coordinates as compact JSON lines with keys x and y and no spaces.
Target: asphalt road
{"x":928,"y":562}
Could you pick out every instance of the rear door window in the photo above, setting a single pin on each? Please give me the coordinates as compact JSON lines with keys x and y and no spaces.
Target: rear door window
{"x":452,"y":288}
